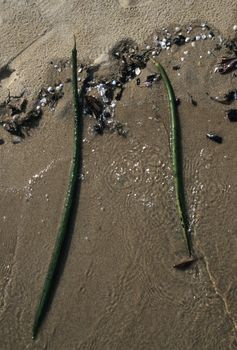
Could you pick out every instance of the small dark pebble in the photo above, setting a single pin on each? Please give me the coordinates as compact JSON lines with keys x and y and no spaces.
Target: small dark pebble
{"x":138,"y":81}
{"x":214,"y":137}
{"x":194,"y":103}
{"x":1,"y":141}
{"x":98,"y":129}
{"x":176,"y":67}
{"x":179,"y":40}
{"x":232,"y":115}
{"x":151,"y":77}
{"x":119,"y":94}
{"x":178,"y":101}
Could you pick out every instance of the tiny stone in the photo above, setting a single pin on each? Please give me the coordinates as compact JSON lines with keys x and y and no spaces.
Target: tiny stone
{"x":50,"y":89}
{"x":187,"y":39}
{"x":204,"y":37}
{"x":148,"y":47}
{"x":38,"y":108}
{"x":16,"y":139}
{"x":137,"y":71}
{"x":58,"y":88}
{"x":208,"y":52}
{"x":177,"y":29}
{"x":153,"y":53}
{"x":193,"y":44}
{"x":176,"y":67}
{"x":162,"y":44}
{"x":182,"y":59}
{"x":113,"y":104}
{"x":43,"y":101}
{"x":198,"y":37}
{"x":1,"y":141}
{"x":185,"y":52}
{"x":235,"y":27}
{"x":16,"y":117}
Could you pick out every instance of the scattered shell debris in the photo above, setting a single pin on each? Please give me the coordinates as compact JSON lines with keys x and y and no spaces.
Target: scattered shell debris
{"x":18,"y":115}
{"x":102,"y":96}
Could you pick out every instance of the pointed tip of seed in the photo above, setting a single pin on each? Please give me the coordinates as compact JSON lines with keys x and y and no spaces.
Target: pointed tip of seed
{"x":75,"y":42}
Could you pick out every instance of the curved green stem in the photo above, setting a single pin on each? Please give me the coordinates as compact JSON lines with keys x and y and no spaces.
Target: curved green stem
{"x":176,"y":157}
{"x":68,"y":205}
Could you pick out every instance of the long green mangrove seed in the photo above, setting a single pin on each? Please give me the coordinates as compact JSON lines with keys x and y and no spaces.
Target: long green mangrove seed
{"x":68,"y":205}
{"x":176,"y":156}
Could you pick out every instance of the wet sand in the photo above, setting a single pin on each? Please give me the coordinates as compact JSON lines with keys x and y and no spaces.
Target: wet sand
{"x":118,"y":289}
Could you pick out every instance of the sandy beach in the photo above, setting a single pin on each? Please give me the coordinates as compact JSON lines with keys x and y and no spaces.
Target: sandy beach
{"x":118,"y":288}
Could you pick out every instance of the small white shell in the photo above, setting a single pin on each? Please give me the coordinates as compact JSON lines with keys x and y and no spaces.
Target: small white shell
{"x":43,"y":101}
{"x":137,"y":71}
{"x":113,"y":104}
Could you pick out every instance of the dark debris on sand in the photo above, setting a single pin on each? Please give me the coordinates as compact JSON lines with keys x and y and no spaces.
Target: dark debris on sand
{"x":18,"y":116}
{"x":102,"y":95}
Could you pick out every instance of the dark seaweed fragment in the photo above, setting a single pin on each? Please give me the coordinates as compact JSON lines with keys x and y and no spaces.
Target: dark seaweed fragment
{"x":214,"y":137}
{"x":232,"y":115}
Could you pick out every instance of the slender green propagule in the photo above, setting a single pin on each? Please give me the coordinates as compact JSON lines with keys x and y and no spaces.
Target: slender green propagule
{"x":68,"y":205}
{"x":176,"y":160}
